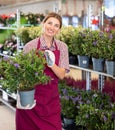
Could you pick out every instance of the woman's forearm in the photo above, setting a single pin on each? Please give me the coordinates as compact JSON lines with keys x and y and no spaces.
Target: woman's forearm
{"x":59,"y":72}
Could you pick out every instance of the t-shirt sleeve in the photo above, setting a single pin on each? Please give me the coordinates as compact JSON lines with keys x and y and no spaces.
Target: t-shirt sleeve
{"x":64,"y":57}
{"x":30,"y":45}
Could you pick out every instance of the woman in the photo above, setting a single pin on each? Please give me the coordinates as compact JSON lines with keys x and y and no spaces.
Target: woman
{"x":45,"y":113}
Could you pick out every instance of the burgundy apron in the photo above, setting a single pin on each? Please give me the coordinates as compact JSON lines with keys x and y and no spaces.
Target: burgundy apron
{"x":46,"y":114}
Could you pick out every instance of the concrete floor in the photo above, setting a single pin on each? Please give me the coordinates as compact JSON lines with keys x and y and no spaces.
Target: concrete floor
{"x":7,"y":118}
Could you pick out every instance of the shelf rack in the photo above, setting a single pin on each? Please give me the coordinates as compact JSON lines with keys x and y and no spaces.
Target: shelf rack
{"x":101,"y":76}
{"x":5,"y":98}
{"x":6,"y":95}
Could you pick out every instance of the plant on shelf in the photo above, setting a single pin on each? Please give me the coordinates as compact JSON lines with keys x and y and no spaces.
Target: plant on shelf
{"x":35,"y":32}
{"x":28,"y":33}
{"x":110,"y":54}
{"x":98,"y":41}
{"x":23,"y":34}
{"x":95,"y":110}
{"x":110,"y":47}
{"x":10,"y":45}
{"x":34,"y":19}
{"x":3,"y":19}
{"x":23,"y":71}
{"x":67,"y":101}
{"x":65,"y":35}
{"x":11,"y":20}
{"x":80,"y":44}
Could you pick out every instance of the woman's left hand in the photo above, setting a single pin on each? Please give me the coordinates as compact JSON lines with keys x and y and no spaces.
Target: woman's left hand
{"x":50,"y":58}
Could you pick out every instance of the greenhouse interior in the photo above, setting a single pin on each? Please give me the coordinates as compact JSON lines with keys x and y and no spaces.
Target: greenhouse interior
{"x":71,"y":74}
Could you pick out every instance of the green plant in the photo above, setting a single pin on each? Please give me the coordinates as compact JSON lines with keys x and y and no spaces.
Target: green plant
{"x":92,"y":109}
{"x":23,"y":34}
{"x":34,"y":19}
{"x":90,"y":43}
{"x":23,"y":71}
{"x":110,"y":47}
{"x":80,"y":42}
{"x":28,"y":33}
{"x":11,"y":19}
{"x":3,"y":19}
{"x":98,"y":42}
{"x":65,"y":35}
{"x":35,"y":32}
{"x":95,"y":111}
{"x":68,"y":105}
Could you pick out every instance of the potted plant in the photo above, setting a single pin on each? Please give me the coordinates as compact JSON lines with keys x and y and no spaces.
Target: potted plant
{"x":81,"y":46}
{"x":23,"y":71}
{"x":97,"y":49}
{"x":28,"y":33}
{"x":65,"y":35}
{"x":110,"y":54}
{"x":68,"y":106}
{"x":95,"y":111}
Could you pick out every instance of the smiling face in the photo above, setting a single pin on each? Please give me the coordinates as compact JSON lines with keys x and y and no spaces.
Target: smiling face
{"x":51,"y":26}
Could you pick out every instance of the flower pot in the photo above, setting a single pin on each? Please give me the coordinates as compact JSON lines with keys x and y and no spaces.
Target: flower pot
{"x":98,"y":64}
{"x":68,"y":122}
{"x":27,"y":97}
{"x":110,"y":67}
{"x":83,"y":61}
{"x":73,"y":59}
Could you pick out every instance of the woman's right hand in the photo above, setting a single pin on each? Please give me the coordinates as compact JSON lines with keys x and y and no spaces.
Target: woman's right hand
{"x":28,"y":107}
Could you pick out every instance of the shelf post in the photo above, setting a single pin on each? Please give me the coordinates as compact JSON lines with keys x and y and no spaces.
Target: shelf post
{"x":101,"y":80}
{"x":18,"y":25}
{"x":88,"y":80}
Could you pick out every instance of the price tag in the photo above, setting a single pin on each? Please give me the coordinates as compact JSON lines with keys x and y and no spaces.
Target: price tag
{"x":5,"y":96}
{"x":84,"y":62}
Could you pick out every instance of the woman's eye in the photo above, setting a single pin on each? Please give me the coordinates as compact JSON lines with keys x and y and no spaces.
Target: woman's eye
{"x":57,"y":26}
{"x":49,"y":23}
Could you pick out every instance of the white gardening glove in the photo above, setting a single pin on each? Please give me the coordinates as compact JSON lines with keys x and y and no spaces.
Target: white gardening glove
{"x":19,"y":106}
{"x":50,"y":58}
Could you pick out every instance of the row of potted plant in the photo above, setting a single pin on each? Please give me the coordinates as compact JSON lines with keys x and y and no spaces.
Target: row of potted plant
{"x":93,"y":44}
{"x":90,"y":110}
{"x":80,"y":41}
{"x":97,"y":45}
{"x":29,"y":18}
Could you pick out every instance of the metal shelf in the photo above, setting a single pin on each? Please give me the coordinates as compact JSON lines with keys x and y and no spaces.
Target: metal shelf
{"x":92,"y":71}
{"x":5,"y":98}
{"x":5,"y":55}
{"x":101,"y":76}
{"x":8,"y":28}
{"x":17,"y":25}
{"x":10,"y":95}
